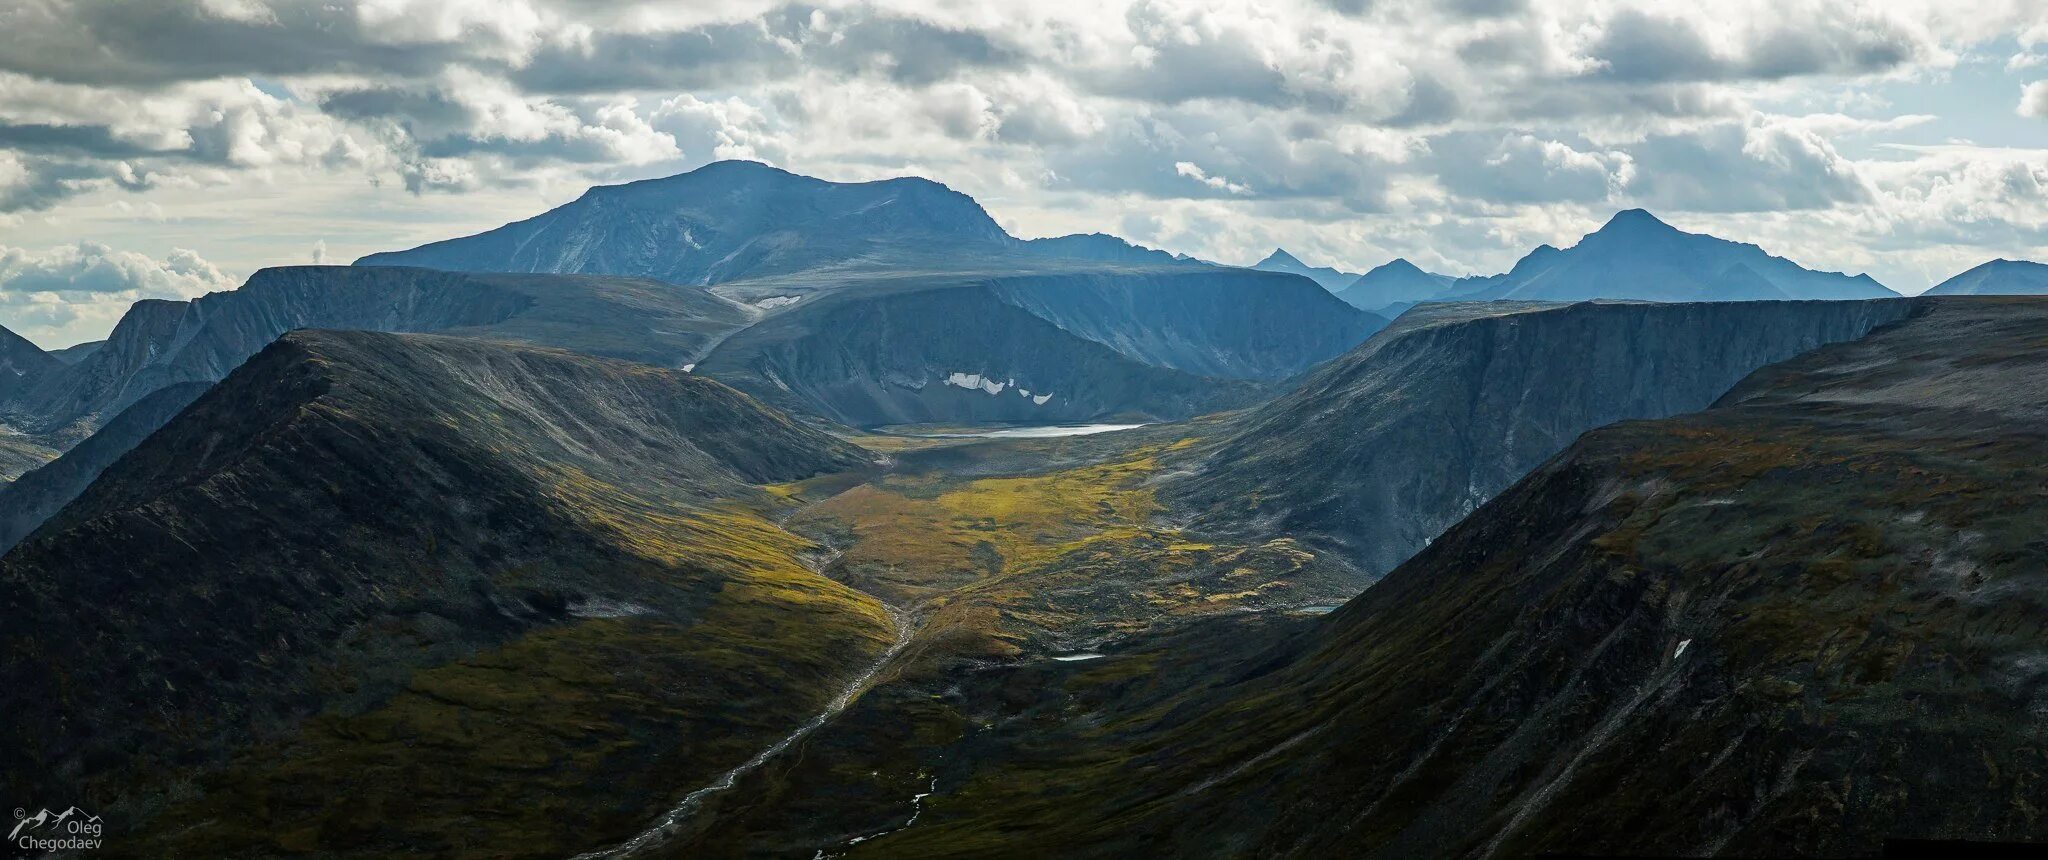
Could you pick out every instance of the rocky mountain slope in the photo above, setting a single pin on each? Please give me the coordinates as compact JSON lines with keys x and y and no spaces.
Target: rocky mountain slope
{"x":1382,"y":449}
{"x":1798,"y":623}
{"x":1997,"y":278}
{"x":1324,"y":276}
{"x":1635,"y":256}
{"x":448,"y":579}
{"x":720,"y":222}
{"x":22,"y":362}
{"x":162,"y":343}
{"x":36,"y":495}
{"x":924,"y":352}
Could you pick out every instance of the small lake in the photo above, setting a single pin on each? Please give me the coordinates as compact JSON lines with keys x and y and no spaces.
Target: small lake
{"x":1049,"y":432}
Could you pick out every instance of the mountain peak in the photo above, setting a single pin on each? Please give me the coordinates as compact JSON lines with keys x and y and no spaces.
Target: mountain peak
{"x":1280,"y":257}
{"x":1398,"y":265}
{"x":1996,"y":277}
{"x":1635,"y":220}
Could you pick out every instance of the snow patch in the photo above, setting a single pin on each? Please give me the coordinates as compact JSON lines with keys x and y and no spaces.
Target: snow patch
{"x":971,"y":381}
{"x":773,"y":302}
{"x":689,"y":367}
{"x":1681,"y":649}
{"x":1041,"y":399}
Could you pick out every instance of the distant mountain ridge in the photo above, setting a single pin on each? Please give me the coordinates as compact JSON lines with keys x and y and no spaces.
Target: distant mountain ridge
{"x":1282,"y":261}
{"x":1395,"y":283}
{"x":161,"y":343}
{"x":722,"y":221}
{"x":1997,"y":278}
{"x":1635,"y":256}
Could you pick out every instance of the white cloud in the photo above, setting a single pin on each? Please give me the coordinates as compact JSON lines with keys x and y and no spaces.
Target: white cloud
{"x":67,"y":294}
{"x":1189,"y":170}
{"x":1454,"y":133}
{"x":2034,"y":100}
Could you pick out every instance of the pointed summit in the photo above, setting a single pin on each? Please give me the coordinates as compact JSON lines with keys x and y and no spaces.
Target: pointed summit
{"x":1280,"y":259}
{"x":1634,"y":218}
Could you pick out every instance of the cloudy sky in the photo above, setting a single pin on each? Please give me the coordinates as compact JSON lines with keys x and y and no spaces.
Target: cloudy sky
{"x":170,"y":148}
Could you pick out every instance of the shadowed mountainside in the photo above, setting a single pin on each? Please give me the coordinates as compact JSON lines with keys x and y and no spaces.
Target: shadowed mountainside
{"x":910,"y":353}
{"x":38,"y":494}
{"x":1380,"y":450}
{"x":443,"y":577}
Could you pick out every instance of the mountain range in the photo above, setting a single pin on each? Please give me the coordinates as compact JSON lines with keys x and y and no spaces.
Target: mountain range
{"x":1637,"y":256}
{"x":601,"y":534}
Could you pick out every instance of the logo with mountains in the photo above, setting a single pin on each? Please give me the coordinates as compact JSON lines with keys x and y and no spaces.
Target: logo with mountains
{"x":73,"y":829}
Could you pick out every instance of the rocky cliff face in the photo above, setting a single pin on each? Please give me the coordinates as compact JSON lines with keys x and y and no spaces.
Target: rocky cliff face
{"x":405,"y":568}
{"x":1382,"y":449}
{"x":720,"y":222}
{"x":948,"y":354}
{"x":159,"y":343}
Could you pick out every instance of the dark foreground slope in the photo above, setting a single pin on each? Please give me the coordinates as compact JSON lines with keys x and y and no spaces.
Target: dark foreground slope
{"x":1805,"y":621}
{"x":451,"y":581}
{"x":1383,"y":448}
{"x":161,"y":343}
{"x":35,"y":496}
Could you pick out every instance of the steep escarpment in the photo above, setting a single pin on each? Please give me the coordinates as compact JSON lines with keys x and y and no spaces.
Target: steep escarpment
{"x":961,"y":354}
{"x":160,"y":343}
{"x":1802,"y":622}
{"x":1383,"y":448}
{"x":444,"y":577}
{"x":1232,"y":323}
